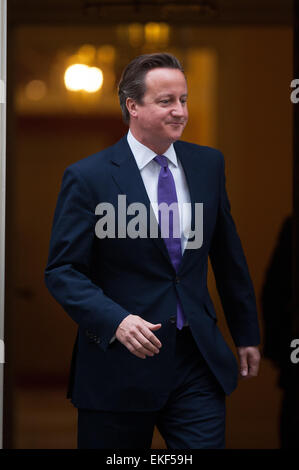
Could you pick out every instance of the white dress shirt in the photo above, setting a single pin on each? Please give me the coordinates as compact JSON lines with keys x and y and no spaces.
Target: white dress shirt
{"x":149,"y":171}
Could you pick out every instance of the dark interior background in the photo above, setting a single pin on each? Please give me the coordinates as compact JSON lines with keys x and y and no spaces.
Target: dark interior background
{"x":238,"y":58}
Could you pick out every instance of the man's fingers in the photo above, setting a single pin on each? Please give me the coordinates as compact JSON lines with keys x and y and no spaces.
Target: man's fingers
{"x":132,"y":350}
{"x":135,"y":333}
{"x":149,"y":336}
{"x":139,"y":349}
{"x":249,"y":361}
{"x":253,"y":367}
{"x":243,"y":366}
{"x":147,"y":343}
{"x":153,"y":326}
{"x":137,"y":344}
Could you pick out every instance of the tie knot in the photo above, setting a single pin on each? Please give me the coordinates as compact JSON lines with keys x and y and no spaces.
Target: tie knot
{"x":162,"y":160}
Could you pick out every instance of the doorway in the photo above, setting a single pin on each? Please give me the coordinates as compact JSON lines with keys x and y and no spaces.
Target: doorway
{"x":239,"y":67}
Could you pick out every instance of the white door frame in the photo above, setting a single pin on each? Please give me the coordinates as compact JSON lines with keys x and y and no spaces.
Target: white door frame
{"x":3,"y":46}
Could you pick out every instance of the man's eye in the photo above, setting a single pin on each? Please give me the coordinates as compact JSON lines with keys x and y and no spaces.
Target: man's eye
{"x":164,"y":101}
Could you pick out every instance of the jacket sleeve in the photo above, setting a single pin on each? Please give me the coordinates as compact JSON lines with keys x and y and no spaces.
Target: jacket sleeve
{"x":232,"y":275}
{"x":67,"y":274}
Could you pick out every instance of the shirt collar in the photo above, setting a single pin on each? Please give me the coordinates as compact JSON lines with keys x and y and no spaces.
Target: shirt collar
{"x":143,"y":155}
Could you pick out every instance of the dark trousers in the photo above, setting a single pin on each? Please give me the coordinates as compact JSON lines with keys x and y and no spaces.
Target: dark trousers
{"x":192,"y":418}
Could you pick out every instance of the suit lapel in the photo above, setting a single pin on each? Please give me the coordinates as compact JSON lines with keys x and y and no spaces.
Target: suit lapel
{"x":195,"y":176}
{"x":126,"y":175}
{"x":189,"y":170}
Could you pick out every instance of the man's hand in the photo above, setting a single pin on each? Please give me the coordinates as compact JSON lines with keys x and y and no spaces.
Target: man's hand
{"x":249,"y":357}
{"x":136,"y":334}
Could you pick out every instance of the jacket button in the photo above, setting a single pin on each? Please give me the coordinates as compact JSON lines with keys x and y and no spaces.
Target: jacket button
{"x":177,"y":280}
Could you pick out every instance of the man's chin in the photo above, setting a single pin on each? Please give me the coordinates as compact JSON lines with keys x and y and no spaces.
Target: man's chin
{"x":176,"y":135}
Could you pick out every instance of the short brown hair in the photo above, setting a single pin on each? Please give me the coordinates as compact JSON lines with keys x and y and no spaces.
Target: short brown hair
{"x":132,"y":82}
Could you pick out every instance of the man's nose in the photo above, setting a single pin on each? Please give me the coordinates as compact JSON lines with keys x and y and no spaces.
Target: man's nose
{"x":178,"y":109}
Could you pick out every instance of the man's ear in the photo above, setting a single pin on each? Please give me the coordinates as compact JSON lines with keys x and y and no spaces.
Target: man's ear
{"x":132,"y":107}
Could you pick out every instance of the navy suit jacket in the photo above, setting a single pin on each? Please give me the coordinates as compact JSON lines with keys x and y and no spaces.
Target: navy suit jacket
{"x":101,"y":281}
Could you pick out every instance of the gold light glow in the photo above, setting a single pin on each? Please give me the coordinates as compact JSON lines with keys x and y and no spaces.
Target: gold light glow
{"x":87,"y":53}
{"x":135,"y":34}
{"x":82,"y":77}
{"x":95,"y":80}
{"x":157,"y":33}
{"x":106,"y":54}
{"x":36,"y":90}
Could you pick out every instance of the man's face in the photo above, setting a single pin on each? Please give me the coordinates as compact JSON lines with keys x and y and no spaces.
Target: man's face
{"x":162,"y":116}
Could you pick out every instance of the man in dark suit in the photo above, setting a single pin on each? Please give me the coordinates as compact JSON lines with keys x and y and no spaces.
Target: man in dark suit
{"x":148,"y":350}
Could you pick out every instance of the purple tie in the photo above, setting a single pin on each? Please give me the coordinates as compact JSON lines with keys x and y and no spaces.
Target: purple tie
{"x":170,"y":221}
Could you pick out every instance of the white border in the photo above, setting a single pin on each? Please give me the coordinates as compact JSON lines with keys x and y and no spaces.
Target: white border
{"x":3,"y":46}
